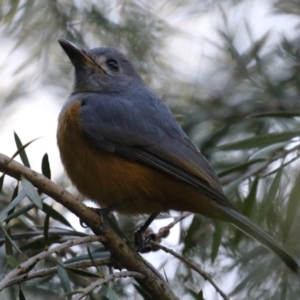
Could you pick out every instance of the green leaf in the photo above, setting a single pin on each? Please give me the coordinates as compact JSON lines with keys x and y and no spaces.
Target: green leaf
{"x":11,"y":205}
{"x":46,"y":227}
{"x":259,"y":273}
{"x":268,"y":202}
{"x":92,"y":259}
{"x":63,"y":276}
{"x":261,"y":141}
{"x":196,"y":296}
{"x":166,"y":276}
{"x":81,"y":272}
{"x":231,"y":188}
{"x":56,"y":215}
{"x":267,"y":152}
{"x":12,"y":262}
{"x":14,"y":195}
{"x":31,"y":192}
{"x":217,"y":238}
{"x":46,"y":166}
{"x":7,"y":235}
{"x":8,"y":245}
{"x":284,"y":284}
{"x":277,"y":114}
{"x":292,"y":207}
{"x":251,"y":199}
{"x":255,"y":48}
{"x":239,"y":168}
{"x":22,"y":149}
{"x":22,"y":153}
{"x":200,"y":296}
{"x":96,"y":255}
{"x":20,"y":211}
{"x":38,"y":244}
{"x":21,"y":295}
{"x":189,"y":240}
{"x":1,"y":181}
{"x":247,"y":207}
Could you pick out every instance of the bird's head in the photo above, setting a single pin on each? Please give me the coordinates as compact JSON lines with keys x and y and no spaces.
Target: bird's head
{"x":101,"y":69}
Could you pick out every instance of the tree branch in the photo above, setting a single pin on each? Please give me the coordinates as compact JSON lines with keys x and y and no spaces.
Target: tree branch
{"x":108,"y":278}
{"x":29,"y":263}
{"x":50,"y":271}
{"x":193,"y":266}
{"x":126,"y":256}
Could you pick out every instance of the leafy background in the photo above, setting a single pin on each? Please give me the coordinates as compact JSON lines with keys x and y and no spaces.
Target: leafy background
{"x":234,"y":86}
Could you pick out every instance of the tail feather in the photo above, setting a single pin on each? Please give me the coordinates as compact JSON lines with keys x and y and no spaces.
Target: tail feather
{"x":252,"y":230}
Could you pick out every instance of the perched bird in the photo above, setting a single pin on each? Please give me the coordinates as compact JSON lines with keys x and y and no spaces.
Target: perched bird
{"x":121,"y":146}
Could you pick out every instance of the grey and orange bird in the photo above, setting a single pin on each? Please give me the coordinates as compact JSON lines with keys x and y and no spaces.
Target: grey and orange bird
{"x":119,"y":141}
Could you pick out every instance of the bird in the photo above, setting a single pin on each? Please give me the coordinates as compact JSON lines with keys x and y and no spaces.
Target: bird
{"x":122,"y":147}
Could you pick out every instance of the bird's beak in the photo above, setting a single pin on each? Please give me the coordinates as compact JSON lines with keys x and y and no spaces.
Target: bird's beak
{"x":75,"y":54}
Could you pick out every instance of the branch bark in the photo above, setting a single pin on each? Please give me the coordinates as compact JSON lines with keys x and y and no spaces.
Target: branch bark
{"x":125,"y":256}
{"x":193,"y":266}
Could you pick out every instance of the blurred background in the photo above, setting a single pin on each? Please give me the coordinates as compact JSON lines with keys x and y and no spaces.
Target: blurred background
{"x":229,"y":70}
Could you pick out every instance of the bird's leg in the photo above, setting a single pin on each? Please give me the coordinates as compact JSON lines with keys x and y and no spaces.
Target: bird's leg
{"x":140,"y":239}
{"x":103,"y":212}
{"x":114,"y":207}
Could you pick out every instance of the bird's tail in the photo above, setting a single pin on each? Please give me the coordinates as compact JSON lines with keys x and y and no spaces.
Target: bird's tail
{"x":245,"y":225}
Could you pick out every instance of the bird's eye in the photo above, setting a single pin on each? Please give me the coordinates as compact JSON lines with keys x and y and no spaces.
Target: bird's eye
{"x":112,"y":64}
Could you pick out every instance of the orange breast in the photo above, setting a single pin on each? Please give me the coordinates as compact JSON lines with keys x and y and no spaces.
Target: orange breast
{"x":109,"y":179}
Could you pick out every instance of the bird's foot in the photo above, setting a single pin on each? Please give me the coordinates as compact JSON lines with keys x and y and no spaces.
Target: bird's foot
{"x":143,"y":239}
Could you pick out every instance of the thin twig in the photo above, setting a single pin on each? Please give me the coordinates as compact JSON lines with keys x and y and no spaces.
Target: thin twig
{"x":22,"y":268}
{"x":40,"y":233}
{"x":122,"y":253}
{"x":194,"y":266}
{"x":108,"y":278}
{"x":164,"y":231}
{"x":50,"y":271}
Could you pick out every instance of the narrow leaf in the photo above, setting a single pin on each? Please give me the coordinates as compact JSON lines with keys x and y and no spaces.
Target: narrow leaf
{"x":20,"y":211}
{"x":63,"y":276}
{"x":12,"y":262}
{"x":8,"y":245}
{"x":239,"y":168}
{"x":22,"y":148}
{"x":189,"y":240}
{"x":292,"y":208}
{"x":56,"y":215}
{"x":268,"y":202}
{"x":81,"y":272}
{"x":200,"y":296}
{"x":92,"y":259}
{"x":31,"y":192}
{"x":14,"y":195}
{"x":266,"y":152}
{"x":46,"y":227}
{"x":1,"y":181}
{"x":247,"y":207}
{"x":7,"y":235}
{"x":96,"y":255}
{"x":46,"y":166}
{"x":22,"y":153}
{"x":277,"y":114}
{"x":217,"y":238}
{"x":21,"y":295}
{"x":12,"y":204}
{"x":261,"y":141}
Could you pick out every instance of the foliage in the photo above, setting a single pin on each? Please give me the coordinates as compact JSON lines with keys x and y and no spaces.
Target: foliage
{"x":243,"y":113}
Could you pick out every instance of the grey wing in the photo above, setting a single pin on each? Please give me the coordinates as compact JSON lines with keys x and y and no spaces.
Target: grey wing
{"x":150,"y":135}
